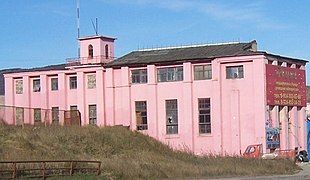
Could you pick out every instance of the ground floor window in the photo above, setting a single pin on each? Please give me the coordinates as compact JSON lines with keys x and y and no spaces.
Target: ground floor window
{"x":19,"y":116}
{"x":172,"y":116}
{"x":55,"y":115}
{"x":92,"y":114}
{"x":37,"y":115}
{"x":204,"y":107}
{"x":141,"y":115}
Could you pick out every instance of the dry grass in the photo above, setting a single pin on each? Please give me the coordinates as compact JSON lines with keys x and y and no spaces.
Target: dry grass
{"x":126,"y":154}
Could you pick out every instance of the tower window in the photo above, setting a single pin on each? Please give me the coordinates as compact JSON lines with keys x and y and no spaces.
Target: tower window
{"x":106,"y":51}
{"x":90,"y":51}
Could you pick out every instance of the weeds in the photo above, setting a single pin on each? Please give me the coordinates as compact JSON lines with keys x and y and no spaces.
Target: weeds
{"x":126,"y":154}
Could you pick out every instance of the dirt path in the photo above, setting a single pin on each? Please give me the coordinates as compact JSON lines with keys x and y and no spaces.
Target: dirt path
{"x":304,"y":174}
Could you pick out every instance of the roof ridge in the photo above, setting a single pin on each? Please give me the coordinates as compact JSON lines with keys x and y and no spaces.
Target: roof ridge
{"x":192,"y":46}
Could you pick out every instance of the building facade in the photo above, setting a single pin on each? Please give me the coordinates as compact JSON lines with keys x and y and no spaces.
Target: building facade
{"x":215,"y":99}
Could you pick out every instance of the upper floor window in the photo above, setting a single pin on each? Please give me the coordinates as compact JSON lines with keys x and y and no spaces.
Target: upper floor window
{"x":73,"y":82}
{"x":170,"y":74}
{"x":19,"y":86}
{"x":54,"y":84}
{"x":141,"y":115}
{"x":172,"y":116}
{"x":91,"y":81}
{"x":90,"y":51}
{"x":106,"y":51}
{"x":202,"y":72}
{"x":139,"y":76}
{"x":36,"y":85}
{"x":234,"y":72}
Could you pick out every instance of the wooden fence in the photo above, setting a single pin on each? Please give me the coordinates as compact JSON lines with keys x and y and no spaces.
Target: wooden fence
{"x":44,"y":169}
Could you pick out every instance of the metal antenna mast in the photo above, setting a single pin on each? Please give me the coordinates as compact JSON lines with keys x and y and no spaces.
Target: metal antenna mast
{"x":78,"y":25}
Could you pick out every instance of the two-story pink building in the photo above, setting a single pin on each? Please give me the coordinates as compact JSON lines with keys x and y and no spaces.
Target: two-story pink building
{"x":216,"y":98}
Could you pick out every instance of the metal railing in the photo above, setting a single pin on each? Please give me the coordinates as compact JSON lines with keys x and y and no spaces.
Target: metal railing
{"x":44,"y":169}
{"x":89,"y":60}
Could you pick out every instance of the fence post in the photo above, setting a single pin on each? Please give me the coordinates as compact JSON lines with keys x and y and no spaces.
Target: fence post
{"x":99,"y":169}
{"x":14,"y":171}
{"x":43,"y":169}
{"x":71,"y":168}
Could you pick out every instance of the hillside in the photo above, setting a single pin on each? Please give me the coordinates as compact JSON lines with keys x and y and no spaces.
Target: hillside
{"x":126,"y":154}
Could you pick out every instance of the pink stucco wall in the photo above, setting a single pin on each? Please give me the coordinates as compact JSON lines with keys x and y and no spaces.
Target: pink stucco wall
{"x":238,"y":106}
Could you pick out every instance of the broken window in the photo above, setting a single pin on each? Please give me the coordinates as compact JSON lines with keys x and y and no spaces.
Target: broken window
{"x":91,"y":81}
{"x":19,"y":86}
{"x":202,"y":72}
{"x":54,"y":84}
{"x":172,"y":116}
{"x":139,"y":76}
{"x":234,"y":72}
{"x":92,"y":114}
{"x":55,"y":115}
{"x":36,"y":85}
{"x":19,"y":116}
{"x":37,"y":115}
{"x":141,"y":115}
{"x":170,"y":74}
{"x":204,"y":107}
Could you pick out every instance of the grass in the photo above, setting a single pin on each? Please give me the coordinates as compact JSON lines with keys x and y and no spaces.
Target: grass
{"x":126,"y":154}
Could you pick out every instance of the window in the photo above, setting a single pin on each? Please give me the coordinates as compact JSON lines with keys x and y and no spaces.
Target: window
{"x":106,"y":51}
{"x":74,"y":112}
{"x":92,"y":114}
{"x":202,"y":72}
{"x":55,"y":115}
{"x":19,"y":116}
{"x":139,"y":76}
{"x":73,"y":82}
{"x":204,"y":115}
{"x":141,"y":115}
{"x":19,"y":86}
{"x":172,"y":116}
{"x":91,"y":81}
{"x":90,"y":51}
{"x":54,"y":84}
{"x":36,"y":85}
{"x":170,"y":74}
{"x":37,"y":115}
{"x":234,"y":72}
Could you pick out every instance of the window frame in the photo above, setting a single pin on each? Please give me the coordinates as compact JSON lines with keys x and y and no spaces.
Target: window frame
{"x":141,"y":113}
{"x":55,"y":115}
{"x":204,"y":111}
{"x":19,"y":86}
{"x":172,"y":120}
{"x":90,"y":51}
{"x":36,"y":85}
{"x":170,"y":74}
{"x":54,"y":88}
{"x":92,"y":119}
{"x":204,"y":74}
{"x":73,"y":82}
{"x":19,"y":116}
{"x":37,"y":111}
{"x":91,"y":86}
{"x":238,"y":72}
{"x":140,"y":77}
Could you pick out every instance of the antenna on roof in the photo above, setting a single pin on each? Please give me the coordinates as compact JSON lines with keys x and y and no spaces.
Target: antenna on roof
{"x":78,"y":25}
{"x":95,"y":27}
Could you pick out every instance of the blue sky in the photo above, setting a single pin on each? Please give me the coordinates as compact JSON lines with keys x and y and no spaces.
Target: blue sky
{"x":42,"y":32}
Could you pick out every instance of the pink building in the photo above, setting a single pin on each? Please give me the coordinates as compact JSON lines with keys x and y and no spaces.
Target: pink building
{"x":216,"y":98}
